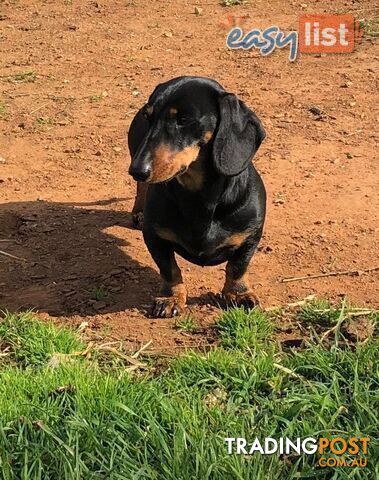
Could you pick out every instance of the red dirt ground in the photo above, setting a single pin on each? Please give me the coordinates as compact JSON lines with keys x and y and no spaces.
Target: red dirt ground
{"x":66,"y":196}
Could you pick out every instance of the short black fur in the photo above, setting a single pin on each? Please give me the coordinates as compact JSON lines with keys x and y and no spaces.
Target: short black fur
{"x":213,"y":209}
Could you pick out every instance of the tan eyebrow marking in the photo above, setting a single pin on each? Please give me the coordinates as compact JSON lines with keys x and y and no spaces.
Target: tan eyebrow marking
{"x":207,"y":136}
{"x":173,"y":111}
{"x":149,"y":109}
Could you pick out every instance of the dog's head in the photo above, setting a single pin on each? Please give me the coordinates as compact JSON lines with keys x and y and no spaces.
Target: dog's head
{"x":180,"y":118}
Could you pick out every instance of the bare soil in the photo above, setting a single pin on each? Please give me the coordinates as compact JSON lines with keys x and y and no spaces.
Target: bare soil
{"x":65,"y":193}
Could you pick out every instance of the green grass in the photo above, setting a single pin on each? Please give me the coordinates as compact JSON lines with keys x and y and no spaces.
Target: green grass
{"x":98,"y":98}
{"x":99,"y":293}
{"x":186,"y":324}
{"x":231,"y":3}
{"x":42,"y":121}
{"x":370,"y":26}
{"x":82,"y":418}
{"x":32,"y":343}
{"x":320,"y":313}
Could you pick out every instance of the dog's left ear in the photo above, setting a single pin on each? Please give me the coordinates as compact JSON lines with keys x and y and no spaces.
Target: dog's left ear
{"x":238,"y":137}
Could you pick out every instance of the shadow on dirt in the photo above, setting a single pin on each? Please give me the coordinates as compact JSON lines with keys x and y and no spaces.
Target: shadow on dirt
{"x":72,"y":259}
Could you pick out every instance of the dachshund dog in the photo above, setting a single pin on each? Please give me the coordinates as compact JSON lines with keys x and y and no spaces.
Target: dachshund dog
{"x":191,"y":147}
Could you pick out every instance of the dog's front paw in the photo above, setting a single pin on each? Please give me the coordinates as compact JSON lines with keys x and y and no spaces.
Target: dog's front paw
{"x":167,"y":307}
{"x":245,"y":299}
{"x":138,"y":220}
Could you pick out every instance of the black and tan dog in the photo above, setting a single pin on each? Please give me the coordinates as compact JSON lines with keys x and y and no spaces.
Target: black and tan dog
{"x":191,"y":147}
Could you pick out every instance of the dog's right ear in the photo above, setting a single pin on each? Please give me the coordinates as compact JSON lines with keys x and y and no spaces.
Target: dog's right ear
{"x":137,"y":131}
{"x":238,"y":137}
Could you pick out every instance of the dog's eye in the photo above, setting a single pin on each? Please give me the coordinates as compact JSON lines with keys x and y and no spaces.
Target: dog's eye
{"x":184,"y":120}
{"x":181,"y":120}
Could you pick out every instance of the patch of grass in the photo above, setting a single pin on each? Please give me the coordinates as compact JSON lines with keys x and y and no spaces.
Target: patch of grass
{"x":319,"y":312}
{"x":99,"y":293}
{"x":243,"y":329}
{"x":42,"y":121}
{"x":186,"y":323}
{"x":98,"y":98}
{"x":23,"y":77}
{"x":81,"y":420}
{"x":370,"y":26}
{"x":28,"y":342}
{"x":231,"y":3}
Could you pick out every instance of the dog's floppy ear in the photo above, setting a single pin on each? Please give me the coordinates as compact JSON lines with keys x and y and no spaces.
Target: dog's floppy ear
{"x":137,"y":131}
{"x":238,"y":137}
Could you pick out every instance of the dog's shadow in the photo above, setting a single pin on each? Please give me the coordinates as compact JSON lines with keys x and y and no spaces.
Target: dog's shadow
{"x":68,"y":259}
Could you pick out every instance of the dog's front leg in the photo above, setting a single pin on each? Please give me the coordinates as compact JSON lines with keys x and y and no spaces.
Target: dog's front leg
{"x":139,"y":205}
{"x":237,"y":290}
{"x":173,"y":299}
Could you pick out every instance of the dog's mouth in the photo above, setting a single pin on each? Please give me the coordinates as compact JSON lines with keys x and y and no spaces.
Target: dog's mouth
{"x":142,"y":179}
{"x":180,"y":172}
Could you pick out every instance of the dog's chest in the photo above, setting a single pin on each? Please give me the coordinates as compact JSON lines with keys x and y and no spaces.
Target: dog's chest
{"x":204,"y":240}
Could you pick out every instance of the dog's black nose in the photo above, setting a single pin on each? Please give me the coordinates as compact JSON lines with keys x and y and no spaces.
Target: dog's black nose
{"x":141,"y":174}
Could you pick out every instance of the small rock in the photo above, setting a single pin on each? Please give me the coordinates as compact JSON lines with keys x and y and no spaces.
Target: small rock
{"x":198,"y":11}
{"x":63,"y":121}
{"x":167,"y":34}
{"x":116,"y":289}
{"x":117,"y":149}
{"x":315,"y":110}
{"x":2,"y":160}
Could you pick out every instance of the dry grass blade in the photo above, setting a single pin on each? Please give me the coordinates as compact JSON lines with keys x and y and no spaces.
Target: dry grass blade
{"x":91,"y":347}
{"x":6,"y":254}
{"x":300,"y":303}
{"x":286,"y":370}
{"x":116,"y":352}
{"x":144,"y":347}
{"x":329,"y":274}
